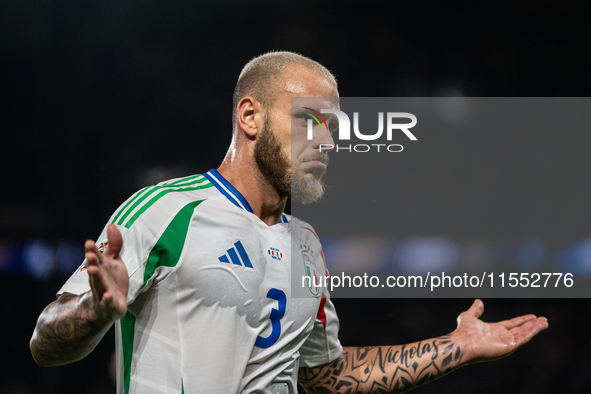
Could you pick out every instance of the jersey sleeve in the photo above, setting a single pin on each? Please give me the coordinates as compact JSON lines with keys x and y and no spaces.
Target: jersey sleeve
{"x":323,"y":345}
{"x":138,"y":241}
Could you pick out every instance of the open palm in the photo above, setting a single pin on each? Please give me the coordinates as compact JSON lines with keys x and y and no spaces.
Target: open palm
{"x":108,"y":276}
{"x":491,"y":341}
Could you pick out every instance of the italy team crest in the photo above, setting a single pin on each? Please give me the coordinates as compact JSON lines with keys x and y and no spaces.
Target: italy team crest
{"x":310,"y":270}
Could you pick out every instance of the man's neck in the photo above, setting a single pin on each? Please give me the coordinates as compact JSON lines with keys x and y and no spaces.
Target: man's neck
{"x":264,"y":200}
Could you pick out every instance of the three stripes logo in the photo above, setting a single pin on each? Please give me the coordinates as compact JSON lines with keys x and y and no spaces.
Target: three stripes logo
{"x":232,"y":254}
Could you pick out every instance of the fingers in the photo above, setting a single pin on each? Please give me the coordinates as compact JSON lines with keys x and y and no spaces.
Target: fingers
{"x":93,"y":261}
{"x":524,"y":333}
{"x":91,"y":253}
{"x":107,"y":298}
{"x":517,"y":321}
{"x":476,"y":309}
{"x":93,"y":256}
{"x":96,"y":282}
{"x":107,"y":275}
{"x":115,"y":241}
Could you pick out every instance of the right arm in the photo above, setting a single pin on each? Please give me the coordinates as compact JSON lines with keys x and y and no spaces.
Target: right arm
{"x":70,"y":327}
{"x":67,"y":330}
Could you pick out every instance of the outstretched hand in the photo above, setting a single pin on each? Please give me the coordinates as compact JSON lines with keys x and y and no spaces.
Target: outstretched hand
{"x":108,"y":277}
{"x":491,"y":341}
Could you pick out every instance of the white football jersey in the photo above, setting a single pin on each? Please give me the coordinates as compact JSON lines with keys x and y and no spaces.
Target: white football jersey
{"x":209,"y":304}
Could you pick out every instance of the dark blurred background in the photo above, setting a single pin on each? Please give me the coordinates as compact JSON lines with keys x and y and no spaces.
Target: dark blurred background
{"x":99,"y":99}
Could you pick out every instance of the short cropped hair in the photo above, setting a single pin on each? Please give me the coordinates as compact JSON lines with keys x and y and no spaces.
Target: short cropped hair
{"x":259,"y":76}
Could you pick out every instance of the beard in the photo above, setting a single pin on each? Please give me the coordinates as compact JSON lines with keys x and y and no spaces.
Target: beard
{"x":308,"y":187}
{"x":303,"y":187}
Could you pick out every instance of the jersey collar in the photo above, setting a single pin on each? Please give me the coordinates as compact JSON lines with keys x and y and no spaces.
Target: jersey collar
{"x":231,"y":193}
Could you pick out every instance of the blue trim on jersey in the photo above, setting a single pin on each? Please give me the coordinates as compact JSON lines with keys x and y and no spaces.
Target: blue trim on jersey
{"x":228,"y":190}
{"x":231,"y":193}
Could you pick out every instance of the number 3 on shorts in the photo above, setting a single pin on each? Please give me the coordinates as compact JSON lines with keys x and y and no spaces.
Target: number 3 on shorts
{"x":276,"y":315}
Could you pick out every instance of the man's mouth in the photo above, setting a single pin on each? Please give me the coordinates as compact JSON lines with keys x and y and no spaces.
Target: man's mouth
{"x":318,"y":164}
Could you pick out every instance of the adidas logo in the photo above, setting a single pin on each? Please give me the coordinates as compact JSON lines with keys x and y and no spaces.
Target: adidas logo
{"x":232,"y":256}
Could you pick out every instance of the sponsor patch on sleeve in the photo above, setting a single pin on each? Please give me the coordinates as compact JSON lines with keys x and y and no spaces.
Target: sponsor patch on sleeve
{"x":103,"y":246}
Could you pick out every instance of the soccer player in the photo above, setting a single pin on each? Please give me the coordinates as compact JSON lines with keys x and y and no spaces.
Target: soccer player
{"x":195,"y":273}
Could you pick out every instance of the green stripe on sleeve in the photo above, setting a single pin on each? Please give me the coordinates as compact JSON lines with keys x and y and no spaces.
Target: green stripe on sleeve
{"x":132,"y":199}
{"x":141,"y":196}
{"x":183,"y":180}
{"x":158,"y":196}
{"x":168,"y":249}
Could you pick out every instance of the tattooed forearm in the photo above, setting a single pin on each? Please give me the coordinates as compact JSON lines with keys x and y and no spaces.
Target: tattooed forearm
{"x":67,"y":330}
{"x":384,"y":369}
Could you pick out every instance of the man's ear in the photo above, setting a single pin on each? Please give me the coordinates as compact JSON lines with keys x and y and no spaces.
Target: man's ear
{"x":249,"y":113}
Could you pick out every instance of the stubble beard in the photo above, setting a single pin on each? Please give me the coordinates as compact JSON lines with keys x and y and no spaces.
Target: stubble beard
{"x":275,"y":167}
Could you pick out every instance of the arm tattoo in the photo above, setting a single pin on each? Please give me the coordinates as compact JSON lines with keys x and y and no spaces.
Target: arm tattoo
{"x":384,"y":369}
{"x":67,"y":330}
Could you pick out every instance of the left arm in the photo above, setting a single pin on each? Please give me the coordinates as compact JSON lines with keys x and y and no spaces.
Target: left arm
{"x":381,"y":369}
{"x":397,"y":369}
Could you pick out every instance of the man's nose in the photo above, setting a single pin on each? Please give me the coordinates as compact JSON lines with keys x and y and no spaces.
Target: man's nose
{"x":323,"y":140}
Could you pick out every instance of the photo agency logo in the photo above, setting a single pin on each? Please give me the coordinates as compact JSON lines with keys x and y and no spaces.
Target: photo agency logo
{"x":342,"y":133}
